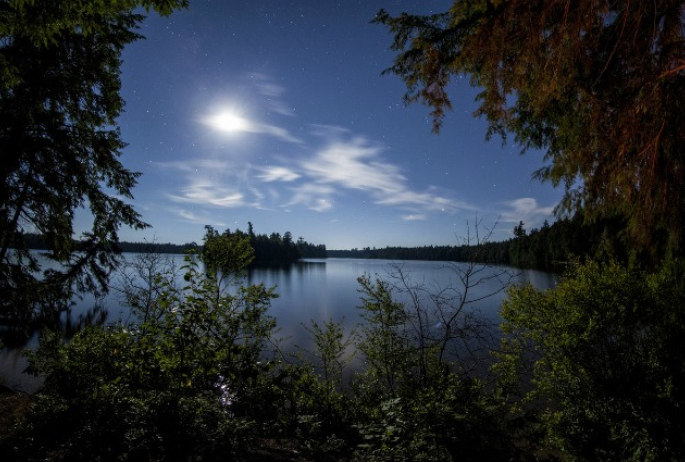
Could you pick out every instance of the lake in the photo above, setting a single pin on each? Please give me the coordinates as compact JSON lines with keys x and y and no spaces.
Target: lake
{"x":318,"y":289}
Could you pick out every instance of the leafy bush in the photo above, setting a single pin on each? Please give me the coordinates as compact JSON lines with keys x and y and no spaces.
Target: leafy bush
{"x":185,"y":384}
{"x":602,"y":355}
{"x":413,"y":402}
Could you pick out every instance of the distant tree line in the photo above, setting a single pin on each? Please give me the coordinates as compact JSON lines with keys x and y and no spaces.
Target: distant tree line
{"x":156,"y":247}
{"x":546,"y":248}
{"x":36,"y":242}
{"x":270,"y":249}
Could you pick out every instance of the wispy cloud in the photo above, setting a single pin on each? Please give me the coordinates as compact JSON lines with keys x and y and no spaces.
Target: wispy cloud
{"x":231,"y":124}
{"x":195,"y":165}
{"x":313,"y":196}
{"x":278,"y":132}
{"x":270,"y":174}
{"x":198,"y":218}
{"x":315,"y":177}
{"x":207,"y":192}
{"x":526,"y":209}
{"x":415,"y":217}
{"x":266,"y":100}
{"x":357,"y":164}
{"x":272,"y":93}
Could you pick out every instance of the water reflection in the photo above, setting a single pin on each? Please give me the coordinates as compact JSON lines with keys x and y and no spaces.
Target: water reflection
{"x":328,"y":289}
{"x":13,"y":362}
{"x":311,"y":289}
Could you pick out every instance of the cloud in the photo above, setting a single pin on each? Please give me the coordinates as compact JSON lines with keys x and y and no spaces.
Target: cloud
{"x":278,"y":174}
{"x":215,"y":183}
{"x":272,"y":130}
{"x":357,"y":164}
{"x":272,"y":93}
{"x":526,"y":209}
{"x":209,"y":193}
{"x":424,"y":200}
{"x":195,"y":165}
{"x":352,"y":165}
{"x":328,"y":132}
{"x":234,"y":119}
{"x":202,"y":218}
{"x":341,"y":162}
{"x":314,"y":197}
{"x":313,"y":178}
{"x":257,"y":193}
{"x":230,"y":124}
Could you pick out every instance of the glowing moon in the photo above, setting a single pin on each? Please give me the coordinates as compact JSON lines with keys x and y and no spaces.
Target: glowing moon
{"x":229,"y":122}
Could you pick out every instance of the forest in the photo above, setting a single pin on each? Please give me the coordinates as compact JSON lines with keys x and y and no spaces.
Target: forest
{"x":546,"y":248}
{"x":590,"y":370}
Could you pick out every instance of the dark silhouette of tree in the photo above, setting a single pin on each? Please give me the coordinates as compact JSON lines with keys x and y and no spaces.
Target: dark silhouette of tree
{"x":308,"y":250}
{"x":547,"y":248}
{"x":519,"y":231}
{"x":59,"y":100}
{"x":598,"y":85}
{"x":274,"y":249}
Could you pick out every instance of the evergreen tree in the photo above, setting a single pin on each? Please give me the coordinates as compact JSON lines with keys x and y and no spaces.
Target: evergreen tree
{"x":59,"y":100}
{"x":598,"y":85}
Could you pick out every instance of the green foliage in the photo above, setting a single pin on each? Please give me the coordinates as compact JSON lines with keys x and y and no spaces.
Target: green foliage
{"x":333,"y":350}
{"x":448,"y":420}
{"x":226,"y":254}
{"x":319,"y":413}
{"x":414,"y":400}
{"x":36,"y":242}
{"x":601,"y":353}
{"x":597,"y":84}
{"x":385,"y":346}
{"x":59,"y":100}
{"x":185,"y":383}
{"x":273,"y":249}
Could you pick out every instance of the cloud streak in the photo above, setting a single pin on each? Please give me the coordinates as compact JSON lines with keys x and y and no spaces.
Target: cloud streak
{"x":356,"y":164}
{"x":201,"y":191}
{"x":195,"y":218}
{"x":526,"y":209}
{"x":318,"y":198}
{"x":272,"y":94}
{"x":272,"y":130}
{"x":413,"y":217}
{"x":270,"y":174}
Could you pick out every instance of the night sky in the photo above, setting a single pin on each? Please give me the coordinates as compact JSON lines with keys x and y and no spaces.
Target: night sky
{"x":276,"y":112}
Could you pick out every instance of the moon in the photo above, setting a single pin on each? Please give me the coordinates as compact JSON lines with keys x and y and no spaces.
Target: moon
{"x":229,"y":122}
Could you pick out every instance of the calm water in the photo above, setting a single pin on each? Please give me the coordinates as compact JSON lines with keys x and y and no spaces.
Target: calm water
{"x":317,"y":290}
